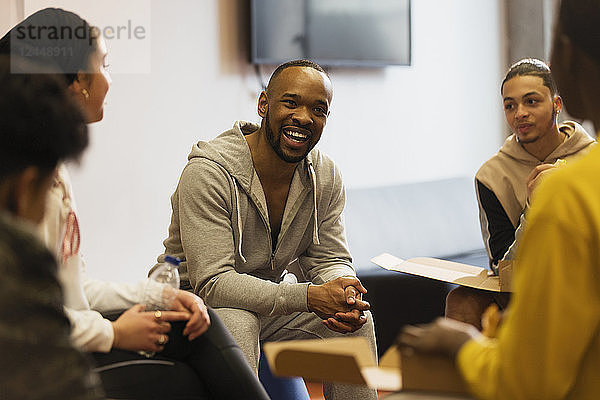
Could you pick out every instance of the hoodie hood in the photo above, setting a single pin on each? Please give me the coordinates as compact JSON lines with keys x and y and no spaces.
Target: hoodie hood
{"x":577,"y":139}
{"x":506,"y":172}
{"x":230,"y":152}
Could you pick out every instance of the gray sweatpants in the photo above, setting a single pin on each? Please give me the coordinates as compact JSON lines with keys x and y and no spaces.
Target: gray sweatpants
{"x":248,"y":329}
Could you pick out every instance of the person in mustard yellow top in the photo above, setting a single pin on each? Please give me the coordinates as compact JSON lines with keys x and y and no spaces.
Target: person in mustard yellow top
{"x":548,"y":346}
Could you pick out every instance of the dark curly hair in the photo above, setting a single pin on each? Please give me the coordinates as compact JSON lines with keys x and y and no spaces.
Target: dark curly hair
{"x":40,"y":123}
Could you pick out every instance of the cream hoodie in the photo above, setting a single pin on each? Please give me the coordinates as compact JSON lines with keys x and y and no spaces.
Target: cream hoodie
{"x":506,"y":172}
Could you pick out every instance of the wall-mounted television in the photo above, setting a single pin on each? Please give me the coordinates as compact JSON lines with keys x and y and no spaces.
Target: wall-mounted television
{"x":369,"y":33}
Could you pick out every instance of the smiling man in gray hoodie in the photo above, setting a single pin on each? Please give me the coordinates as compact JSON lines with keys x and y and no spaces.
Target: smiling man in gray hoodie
{"x":259,"y":200}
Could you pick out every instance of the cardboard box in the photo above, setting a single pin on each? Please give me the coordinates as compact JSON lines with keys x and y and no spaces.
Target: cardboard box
{"x":349,"y":360}
{"x":451,"y":272}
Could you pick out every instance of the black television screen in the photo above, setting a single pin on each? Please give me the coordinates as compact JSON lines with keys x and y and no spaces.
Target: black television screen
{"x":331,"y":32}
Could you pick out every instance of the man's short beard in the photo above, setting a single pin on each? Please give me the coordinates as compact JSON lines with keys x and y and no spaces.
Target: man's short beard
{"x":553,"y":120}
{"x":275,"y":142}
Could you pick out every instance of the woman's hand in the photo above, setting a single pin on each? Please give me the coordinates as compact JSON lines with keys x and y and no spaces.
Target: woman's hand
{"x":137,"y":329}
{"x":199,"y":320}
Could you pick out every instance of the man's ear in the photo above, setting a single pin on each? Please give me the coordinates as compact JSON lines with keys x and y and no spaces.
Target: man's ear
{"x":558,"y":104}
{"x":263,"y":104}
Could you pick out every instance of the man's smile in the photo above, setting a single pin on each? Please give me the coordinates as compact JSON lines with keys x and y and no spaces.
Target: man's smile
{"x":296,"y":136}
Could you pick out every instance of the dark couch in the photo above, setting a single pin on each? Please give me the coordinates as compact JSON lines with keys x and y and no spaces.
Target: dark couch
{"x":433,"y":219}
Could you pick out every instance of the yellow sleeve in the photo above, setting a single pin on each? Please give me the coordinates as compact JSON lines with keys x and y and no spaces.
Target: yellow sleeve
{"x":476,"y":361}
{"x":555,"y":307}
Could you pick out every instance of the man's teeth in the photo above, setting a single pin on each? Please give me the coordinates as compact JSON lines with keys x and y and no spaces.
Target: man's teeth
{"x":296,"y":135}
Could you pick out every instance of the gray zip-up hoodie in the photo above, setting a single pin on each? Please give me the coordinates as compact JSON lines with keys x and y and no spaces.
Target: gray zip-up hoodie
{"x":220,"y":228}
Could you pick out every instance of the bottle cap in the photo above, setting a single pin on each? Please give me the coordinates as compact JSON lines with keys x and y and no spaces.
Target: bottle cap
{"x":173,"y":260}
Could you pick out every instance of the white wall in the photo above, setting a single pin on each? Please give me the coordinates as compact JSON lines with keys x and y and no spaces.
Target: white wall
{"x":11,"y":11}
{"x":439,"y":118}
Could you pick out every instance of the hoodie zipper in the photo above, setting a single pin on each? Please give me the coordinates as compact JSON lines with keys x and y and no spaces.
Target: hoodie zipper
{"x":273,"y":252}
{"x":268,"y":227}
{"x":266,"y":224}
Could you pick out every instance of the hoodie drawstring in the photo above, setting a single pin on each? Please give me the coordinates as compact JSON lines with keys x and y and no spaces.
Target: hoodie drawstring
{"x":239,"y":220}
{"x":314,"y":184}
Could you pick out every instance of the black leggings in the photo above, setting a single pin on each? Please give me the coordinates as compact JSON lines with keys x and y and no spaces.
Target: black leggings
{"x":209,"y":367}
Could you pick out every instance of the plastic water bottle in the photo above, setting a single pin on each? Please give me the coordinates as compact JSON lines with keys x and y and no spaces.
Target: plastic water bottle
{"x":166,"y":275}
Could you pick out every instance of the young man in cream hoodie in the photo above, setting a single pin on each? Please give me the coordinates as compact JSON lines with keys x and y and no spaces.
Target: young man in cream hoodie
{"x":505,"y":182}
{"x":259,"y":200}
